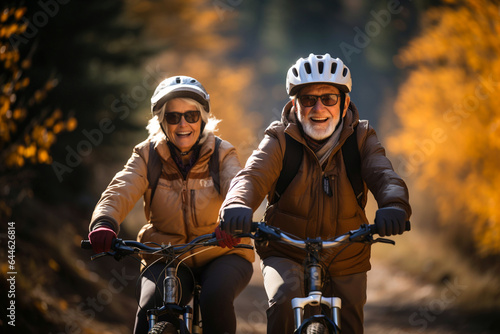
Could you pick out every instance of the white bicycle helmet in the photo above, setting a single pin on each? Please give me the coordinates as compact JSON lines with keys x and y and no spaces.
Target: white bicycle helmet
{"x":179,"y":86}
{"x":318,"y":69}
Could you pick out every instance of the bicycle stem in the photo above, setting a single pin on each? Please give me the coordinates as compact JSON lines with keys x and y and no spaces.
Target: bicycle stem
{"x":315,"y":297}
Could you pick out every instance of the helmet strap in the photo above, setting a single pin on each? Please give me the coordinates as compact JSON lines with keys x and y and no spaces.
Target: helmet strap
{"x":342,"y":104}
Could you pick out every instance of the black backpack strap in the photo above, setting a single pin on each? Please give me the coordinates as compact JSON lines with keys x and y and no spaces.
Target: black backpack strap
{"x":213,"y":165}
{"x":154,"y":169}
{"x":291,"y":164}
{"x":352,"y":162}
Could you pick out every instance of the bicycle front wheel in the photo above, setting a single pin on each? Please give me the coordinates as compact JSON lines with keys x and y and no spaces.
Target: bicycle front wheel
{"x":163,"y":327}
{"x":315,"y":328}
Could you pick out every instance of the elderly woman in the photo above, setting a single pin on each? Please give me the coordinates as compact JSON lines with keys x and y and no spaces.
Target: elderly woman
{"x":183,"y":204}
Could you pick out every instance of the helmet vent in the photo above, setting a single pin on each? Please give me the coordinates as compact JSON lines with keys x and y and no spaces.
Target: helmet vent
{"x":344,"y":72}
{"x":307,"y":67}
{"x":193,"y":81}
{"x":319,"y":57}
{"x":334,"y":68}
{"x":178,"y":80}
{"x":320,"y":67}
{"x":294,"y":71}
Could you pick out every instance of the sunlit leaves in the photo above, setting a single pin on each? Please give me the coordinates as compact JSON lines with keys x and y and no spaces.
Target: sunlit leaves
{"x":449,"y":142}
{"x":26,"y":134}
{"x":185,"y":25}
{"x":199,"y":46}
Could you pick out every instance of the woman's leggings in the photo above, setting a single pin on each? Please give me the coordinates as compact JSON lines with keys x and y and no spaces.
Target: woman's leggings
{"x":221,"y":280}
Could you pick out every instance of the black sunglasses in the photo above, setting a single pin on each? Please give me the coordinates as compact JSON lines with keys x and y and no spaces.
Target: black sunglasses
{"x":191,"y":116}
{"x":328,"y":100}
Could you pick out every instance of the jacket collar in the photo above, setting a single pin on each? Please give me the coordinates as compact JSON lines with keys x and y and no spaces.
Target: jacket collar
{"x":207,"y":143}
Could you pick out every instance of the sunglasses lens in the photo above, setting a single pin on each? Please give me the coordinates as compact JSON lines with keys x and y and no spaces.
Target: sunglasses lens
{"x":173,"y":117}
{"x":192,"y":116}
{"x":329,"y":100}
{"x":308,"y":100}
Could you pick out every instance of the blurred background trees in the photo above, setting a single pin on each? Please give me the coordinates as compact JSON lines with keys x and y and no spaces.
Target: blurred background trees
{"x":449,"y":136}
{"x":76,"y":78}
{"x":28,"y":128}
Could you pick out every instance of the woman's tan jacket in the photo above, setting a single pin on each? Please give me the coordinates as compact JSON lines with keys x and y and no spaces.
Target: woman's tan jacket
{"x":181,"y":209}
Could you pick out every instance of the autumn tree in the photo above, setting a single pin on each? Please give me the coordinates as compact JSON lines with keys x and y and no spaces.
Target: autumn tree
{"x":449,"y":139}
{"x":28,"y":128}
{"x":200,"y":39}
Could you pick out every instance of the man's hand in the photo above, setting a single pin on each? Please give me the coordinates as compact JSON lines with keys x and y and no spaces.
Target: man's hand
{"x":101,"y":239}
{"x":226,"y":240}
{"x":236,"y":219}
{"x":390,"y":221}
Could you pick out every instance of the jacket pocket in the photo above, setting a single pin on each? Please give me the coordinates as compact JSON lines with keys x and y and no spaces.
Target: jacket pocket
{"x":294,"y":224}
{"x":205,"y":204}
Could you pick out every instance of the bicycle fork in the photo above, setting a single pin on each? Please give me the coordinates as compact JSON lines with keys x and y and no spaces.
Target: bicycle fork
{"x":170,"y":299}
{"x":196,"y":328}
{"x":315,"y":298}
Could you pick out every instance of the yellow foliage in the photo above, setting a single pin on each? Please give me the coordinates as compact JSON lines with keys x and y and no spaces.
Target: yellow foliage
{"x":40,"y":134}
{"x":29,"y":151}
{"x":54,"y":265}
{"x":4,"y":16}
{"x":230,"y":88}
{"x":449,"y":140}
{"x":200,"y":50}
{"x":63,"y":305}
{"x":19,"y":12}
{"x":188,"y":25}
{"x":71,"y":124}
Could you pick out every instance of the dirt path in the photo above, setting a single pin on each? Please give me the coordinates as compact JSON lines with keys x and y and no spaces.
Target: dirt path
{"x":397,"y":303}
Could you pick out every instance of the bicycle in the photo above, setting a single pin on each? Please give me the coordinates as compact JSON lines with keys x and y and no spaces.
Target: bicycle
{"x":323,"y":322}
{"x":180,"y":319}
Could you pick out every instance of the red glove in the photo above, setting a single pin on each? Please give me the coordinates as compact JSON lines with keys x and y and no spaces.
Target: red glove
{"x":101,"y":239}
{"x":226,"y":240}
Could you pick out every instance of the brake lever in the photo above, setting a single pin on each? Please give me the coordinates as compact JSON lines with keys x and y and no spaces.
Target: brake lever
{"x":117,"y":244}
{"x":272,"y":233}
{"x":385,"y":241}
{"x":363,"y":234}
{"x":98,"y":256}
{"x":245,"y":246}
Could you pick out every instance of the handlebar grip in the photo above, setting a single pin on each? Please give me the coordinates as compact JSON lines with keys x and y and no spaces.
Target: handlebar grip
{"x":408,"y":226}
{"x":373,"y":227}
{"x":85,"y":244}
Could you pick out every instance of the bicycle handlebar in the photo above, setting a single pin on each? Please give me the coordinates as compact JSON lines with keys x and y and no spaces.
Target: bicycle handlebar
{"x":260,"y":231}
{"x":121,"y":248}
{"x":364,"y":234}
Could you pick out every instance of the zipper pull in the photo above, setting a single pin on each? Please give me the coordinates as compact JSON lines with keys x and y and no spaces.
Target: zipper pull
{"x":184,"y":192}
{"x":327,"y":188}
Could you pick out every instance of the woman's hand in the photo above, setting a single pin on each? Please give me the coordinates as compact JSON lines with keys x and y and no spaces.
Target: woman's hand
{"x":226,"y":240}
{"x":101,"y":239}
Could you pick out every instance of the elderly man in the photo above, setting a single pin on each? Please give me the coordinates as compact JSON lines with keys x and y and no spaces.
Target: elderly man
{"x":320,"y":201}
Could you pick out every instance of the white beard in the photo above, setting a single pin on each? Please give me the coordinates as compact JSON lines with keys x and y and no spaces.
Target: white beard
{"x":312,"y":131}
